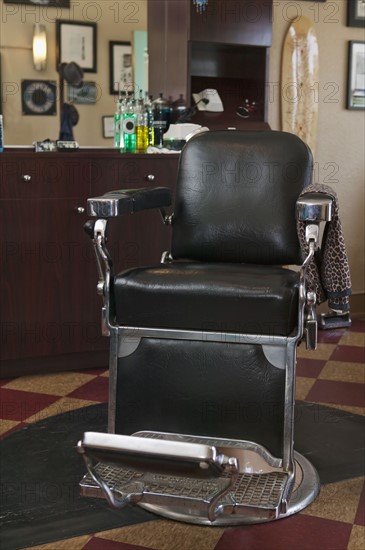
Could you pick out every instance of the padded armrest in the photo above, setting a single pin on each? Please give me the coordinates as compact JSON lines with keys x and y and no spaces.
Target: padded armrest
{"x":314,"y":207}
{"x":128,"y":201}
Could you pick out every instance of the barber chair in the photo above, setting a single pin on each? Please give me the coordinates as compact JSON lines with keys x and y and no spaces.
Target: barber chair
{"x":203,"y":344}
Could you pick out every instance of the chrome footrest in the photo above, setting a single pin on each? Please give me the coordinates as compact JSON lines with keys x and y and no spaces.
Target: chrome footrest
{"x":257,"y":493}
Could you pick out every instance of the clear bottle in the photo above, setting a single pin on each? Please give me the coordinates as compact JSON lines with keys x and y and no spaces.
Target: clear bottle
{"x":122,"y":109}
{"x":129,"y":127}
{"x":149,"y":111}
{"x":1,"y":134}
{"x":117,"y":123}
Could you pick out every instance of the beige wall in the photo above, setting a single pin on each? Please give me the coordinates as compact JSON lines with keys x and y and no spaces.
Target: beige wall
{"x":340,"y":146}
{"x":115,"y":21}
{"x":341,"y":133}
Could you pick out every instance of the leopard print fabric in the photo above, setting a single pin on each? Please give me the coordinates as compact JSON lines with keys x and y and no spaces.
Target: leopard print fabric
{"x":328,"y":273}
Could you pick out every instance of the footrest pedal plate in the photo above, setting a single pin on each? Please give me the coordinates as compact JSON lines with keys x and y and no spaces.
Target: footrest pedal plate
{"x":255,"y":497}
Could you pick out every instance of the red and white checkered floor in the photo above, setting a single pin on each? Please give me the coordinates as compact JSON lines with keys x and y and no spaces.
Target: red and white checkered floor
{"x":332,"y":376}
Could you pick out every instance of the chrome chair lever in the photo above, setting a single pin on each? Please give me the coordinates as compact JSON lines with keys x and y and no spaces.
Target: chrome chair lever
{"x":311,"y":324}
{"x":311,"y":331}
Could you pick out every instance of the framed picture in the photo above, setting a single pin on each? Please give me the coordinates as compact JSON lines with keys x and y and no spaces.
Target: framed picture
{"x":86,"y":94}
{"x":38,"y":97}
{"x":108,"y":126}
{"x":120,"y":67}
{"x":355,"y":13}
{"x":76,"y":41}
{"x":42,"y":3}
{"x":356,"y":76}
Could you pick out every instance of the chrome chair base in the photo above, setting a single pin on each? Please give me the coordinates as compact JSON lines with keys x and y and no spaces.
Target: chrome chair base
{"x":255,"y":498}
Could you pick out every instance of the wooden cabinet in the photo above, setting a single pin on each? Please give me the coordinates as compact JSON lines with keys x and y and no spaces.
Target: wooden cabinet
{"x":226,"y":47}
{"x":50,"y":312}
{"x":240,"y":22}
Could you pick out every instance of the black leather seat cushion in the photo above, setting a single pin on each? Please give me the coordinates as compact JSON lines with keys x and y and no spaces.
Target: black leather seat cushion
{"x":221,"y":297}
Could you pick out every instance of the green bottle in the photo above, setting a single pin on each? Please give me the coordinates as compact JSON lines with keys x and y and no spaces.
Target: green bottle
{"x":129,"y":127}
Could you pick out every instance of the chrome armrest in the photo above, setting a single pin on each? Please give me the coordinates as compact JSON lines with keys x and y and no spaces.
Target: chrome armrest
{"x":313,"y":208}
{"x":128,"y":201}
{"x":113,"y":204}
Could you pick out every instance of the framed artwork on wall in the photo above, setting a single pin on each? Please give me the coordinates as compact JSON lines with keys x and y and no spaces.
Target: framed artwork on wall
{"x":86,"y":94}
{"x":356,"y":76}
{"x":41,"y":3}
{"x":38,"y":97}
{"x":120,"y":67}
{"x":356,"y":13}
{"x":108,"y":126}
{"x":76,"y":41}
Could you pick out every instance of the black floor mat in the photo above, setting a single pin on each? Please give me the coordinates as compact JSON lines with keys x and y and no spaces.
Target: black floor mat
{"x":40,"y":472}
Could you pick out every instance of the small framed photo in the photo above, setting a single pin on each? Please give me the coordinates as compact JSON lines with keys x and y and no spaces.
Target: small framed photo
{"x":356,"y":75}
{"x":108,"y":126}
{"x":86,"y":94}
{"x":355,"y":13}
{"x":120,"y":67}
{"x":46,"y":146}
{"x":76,"y":41}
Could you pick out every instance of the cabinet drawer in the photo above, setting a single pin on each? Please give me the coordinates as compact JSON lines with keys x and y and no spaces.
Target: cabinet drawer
{"x":132,"y":172}
{"x":54,"y":176}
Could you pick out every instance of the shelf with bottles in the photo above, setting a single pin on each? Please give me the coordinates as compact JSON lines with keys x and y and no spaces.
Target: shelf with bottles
{"x":141,"y":123}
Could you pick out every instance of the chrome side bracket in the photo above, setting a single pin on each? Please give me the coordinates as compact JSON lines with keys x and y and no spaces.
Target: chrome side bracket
{"x":104,"y":266}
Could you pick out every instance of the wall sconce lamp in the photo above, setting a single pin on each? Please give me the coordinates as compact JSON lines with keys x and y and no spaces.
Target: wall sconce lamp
{"x":39,"y":47}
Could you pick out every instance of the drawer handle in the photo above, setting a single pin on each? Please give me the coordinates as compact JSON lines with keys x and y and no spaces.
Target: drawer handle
{"x":80,"y":209}
{"x":150,"y":177}
{"x":26,"y":177}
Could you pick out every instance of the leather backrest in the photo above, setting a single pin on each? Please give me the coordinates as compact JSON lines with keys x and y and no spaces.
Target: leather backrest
{"x":236,"y":194}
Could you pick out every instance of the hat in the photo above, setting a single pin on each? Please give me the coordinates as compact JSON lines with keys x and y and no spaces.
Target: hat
{"x":72,"y":73}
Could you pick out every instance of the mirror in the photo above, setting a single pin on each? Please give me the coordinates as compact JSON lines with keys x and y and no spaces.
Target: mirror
{"x":115,"y":20}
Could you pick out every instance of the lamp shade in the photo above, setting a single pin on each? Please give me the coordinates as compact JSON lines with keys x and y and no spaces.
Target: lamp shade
{"x":39,"y":47}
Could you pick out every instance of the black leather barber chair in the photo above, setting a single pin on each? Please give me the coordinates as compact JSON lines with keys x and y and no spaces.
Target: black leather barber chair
{"x":203,"y":344}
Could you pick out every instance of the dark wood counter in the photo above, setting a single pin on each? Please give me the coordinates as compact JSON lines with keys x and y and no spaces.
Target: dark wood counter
{"x":50,"y":312}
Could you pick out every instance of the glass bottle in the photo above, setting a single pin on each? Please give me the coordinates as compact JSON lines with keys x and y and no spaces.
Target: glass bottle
{"x":149,"y":111}
{"x":117,"y":123}
{"x":129,"y":126}
{"x":161,"y":119}
{"x":1,"y":134}
{"x":141,"y":127}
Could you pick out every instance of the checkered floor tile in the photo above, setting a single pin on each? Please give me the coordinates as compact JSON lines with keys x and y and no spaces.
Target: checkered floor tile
{"x":333,"y":375}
